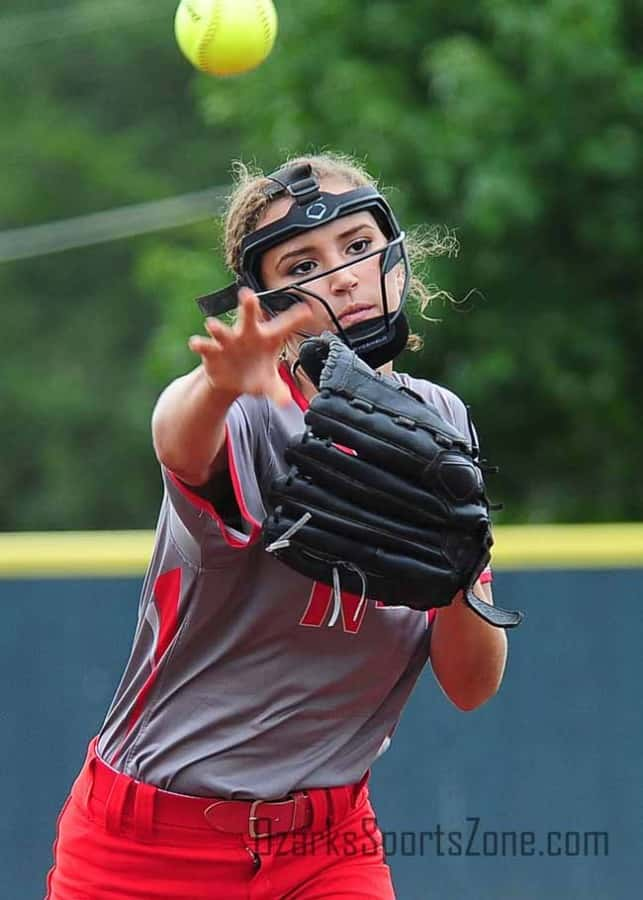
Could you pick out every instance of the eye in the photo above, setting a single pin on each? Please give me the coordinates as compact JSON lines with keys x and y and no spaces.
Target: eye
{"x":361,"y":245}
{"x":305,"y":267}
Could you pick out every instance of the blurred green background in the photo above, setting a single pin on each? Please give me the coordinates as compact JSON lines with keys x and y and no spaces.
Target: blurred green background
{"x":515,"y":124}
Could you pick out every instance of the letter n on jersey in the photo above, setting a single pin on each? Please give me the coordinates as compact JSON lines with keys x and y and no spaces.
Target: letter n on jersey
{"x":321,"y":602}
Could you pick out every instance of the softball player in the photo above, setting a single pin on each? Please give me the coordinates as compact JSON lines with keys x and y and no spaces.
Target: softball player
{"x":233,"y":762}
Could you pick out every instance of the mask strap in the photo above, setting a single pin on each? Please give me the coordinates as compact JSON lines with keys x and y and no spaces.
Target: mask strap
{"x":298,"y":181}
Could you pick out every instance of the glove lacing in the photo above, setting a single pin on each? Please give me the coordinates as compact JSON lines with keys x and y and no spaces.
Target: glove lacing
{"x":337,"y":591}
{"x":284,"y":541}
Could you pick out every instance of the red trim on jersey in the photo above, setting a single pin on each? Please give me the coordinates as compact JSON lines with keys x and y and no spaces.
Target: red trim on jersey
{"x":207,"y":507}
{"x":301,"y":401}
{"x":295,"y":392}
{"x":238,"y":490}
{"x":487,"y":576}
{"x":167,"y":593}
{"x":167,"y":596}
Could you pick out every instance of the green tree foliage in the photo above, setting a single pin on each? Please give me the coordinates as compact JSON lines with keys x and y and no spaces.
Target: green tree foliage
{"x":96,"y":111}
{"x":516,"y":125}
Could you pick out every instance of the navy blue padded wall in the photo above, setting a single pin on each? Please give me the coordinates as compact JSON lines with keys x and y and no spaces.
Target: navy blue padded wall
{"x":558,"y":750}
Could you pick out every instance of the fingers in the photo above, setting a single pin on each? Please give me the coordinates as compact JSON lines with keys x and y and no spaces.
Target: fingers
{"x":246,"y":353}
{"x":203,"y":345}
{"x":253,"y":323}
{"x":252,"y":318}
{"x":296,"y":318}
{"x":249,"y":315}
{"x":216,"y":328}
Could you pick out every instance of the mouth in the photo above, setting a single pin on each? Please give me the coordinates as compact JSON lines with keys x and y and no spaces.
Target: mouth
{"x":356,"y":312}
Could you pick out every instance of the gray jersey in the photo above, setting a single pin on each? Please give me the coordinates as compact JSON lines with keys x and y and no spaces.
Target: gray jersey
{"x":245,"y":678}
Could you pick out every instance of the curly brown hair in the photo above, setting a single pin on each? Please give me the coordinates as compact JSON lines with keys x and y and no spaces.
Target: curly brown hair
{"x":248,"y":201}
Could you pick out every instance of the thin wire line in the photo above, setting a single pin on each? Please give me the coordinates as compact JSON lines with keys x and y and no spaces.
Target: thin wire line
{"x":24,"y":29}
{"x":110,"y":225}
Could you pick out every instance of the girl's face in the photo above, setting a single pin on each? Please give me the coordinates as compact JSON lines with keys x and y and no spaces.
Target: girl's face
{"x":353,"y":293}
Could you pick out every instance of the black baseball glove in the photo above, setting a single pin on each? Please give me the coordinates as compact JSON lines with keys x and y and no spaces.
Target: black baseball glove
{"x":384,"y":498}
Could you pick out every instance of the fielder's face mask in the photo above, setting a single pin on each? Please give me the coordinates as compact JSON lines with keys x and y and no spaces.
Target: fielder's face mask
{"x":377,"y":340}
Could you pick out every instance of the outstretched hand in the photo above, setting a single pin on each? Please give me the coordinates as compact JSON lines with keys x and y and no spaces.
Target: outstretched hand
{"x":244,"y":358}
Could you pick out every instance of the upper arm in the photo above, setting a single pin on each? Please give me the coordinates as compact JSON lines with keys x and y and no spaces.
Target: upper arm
{"x":217,"y":469}
{"x":228,"y":494}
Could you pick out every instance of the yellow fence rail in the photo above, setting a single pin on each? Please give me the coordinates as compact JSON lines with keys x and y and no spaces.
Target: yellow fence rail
{"x":126,"y":553}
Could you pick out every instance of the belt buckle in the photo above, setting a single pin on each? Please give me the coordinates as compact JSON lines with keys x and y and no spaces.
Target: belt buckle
{"x":252,"y":818}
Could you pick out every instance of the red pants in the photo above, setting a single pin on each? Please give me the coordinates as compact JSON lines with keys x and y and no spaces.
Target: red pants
{"x":121,"y":844}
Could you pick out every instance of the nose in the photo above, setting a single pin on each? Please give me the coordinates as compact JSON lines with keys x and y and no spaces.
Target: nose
{"x":343,"y":281}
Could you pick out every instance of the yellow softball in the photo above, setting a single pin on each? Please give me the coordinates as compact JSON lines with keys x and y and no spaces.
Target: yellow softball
{"x":225,"y":37}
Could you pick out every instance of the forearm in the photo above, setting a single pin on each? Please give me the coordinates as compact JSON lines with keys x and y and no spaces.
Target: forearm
{"x":468,"y":655}
{"x":188,"y":426}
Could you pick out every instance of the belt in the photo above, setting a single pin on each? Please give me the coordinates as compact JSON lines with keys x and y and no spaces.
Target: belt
{"x":318,"y":807}
{"x":261,"y":818}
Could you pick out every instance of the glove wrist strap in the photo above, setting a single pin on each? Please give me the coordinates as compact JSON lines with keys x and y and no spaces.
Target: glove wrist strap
{"x":493,"y":615}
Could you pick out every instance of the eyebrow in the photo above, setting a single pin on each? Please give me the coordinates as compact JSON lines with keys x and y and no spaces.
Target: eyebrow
{"x":302,"y":251}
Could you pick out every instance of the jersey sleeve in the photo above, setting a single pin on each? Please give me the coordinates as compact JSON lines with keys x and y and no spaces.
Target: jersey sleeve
{"x":202,"y":525}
